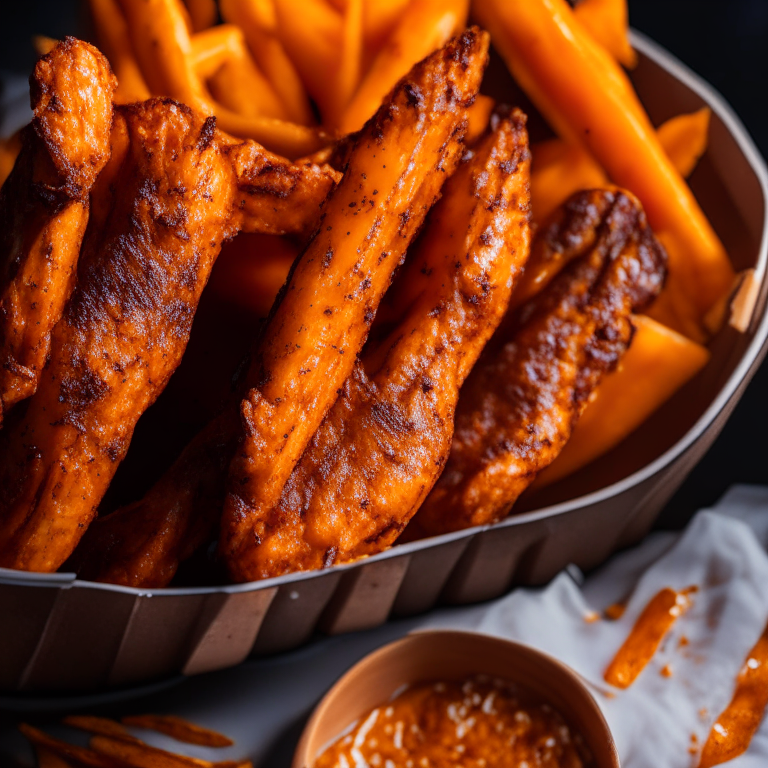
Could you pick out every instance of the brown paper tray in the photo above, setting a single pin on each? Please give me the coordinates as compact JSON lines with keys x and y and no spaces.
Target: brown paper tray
{"x":60,"y":634}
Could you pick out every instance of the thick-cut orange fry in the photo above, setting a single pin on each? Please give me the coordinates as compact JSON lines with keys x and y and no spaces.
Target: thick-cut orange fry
{"x":559,"y":170}
{"x":308,"y":349}
{"x":114,"y":41}
{"x":426,"y":26}
{"x":136,"y":754}
{"x":222,"y":58}
{"x":97,"y":725}
{"x":179,"y":729}
{"x":163,"y":47}
{"x":655,"y":366}
{"x":586,"y":97}
{"x":350,"y":62}
{"x":202,"y":13}
{"x":313,"y":39}
{"x":684,"y":139}
{"x":80,"y":756}
{"x":257,"y":20}
{"x":607,"y":22}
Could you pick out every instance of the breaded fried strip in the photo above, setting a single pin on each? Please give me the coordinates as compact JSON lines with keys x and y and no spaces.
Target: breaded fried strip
{"x":520,"y":403}
{"x":174,"y":191}
{"x":44,"y":207}
{"x":311,"y":341}
{"x":384,"y":443}
{"x":320,"y":324}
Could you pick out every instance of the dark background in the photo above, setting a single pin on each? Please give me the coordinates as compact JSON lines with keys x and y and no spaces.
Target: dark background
{"x":725,"y":42}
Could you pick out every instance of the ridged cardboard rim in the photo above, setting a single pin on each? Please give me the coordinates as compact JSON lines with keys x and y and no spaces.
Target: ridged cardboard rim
{"x":738,"y":132}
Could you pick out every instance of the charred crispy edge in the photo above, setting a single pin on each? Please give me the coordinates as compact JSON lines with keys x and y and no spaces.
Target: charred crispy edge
{"x":76,"y":182}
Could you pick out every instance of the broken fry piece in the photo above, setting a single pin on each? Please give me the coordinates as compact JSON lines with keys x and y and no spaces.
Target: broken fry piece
{"x":179,"y":729}
{"x":607,"y":21}
{"x":684,"y":139}
{"x":554,"y":59}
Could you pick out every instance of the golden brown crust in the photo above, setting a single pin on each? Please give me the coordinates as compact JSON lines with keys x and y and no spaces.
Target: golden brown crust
{"x":177,"y":189}
{"x":44,"y":207}
{"x":383,"y":444}
{"x":520,"y":403}
{"x":311,"y":341}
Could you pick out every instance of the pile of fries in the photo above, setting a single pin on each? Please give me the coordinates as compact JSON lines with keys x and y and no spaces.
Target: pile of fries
{"x":296,"y":80}
{"x":112,"y":745}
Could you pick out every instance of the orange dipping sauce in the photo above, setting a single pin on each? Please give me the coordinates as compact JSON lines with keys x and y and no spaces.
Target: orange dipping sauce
{"x":480,"y":723}
{"x":733,"y":730}
{"x":650,"y":628}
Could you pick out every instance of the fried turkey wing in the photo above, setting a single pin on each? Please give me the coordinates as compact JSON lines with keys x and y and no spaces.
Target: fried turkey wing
{"x":520,"y":403}
{"x":384,"y":442}
{"x":394,"y":175}
{"x":44,"y":207}
{"x":172,"y":192}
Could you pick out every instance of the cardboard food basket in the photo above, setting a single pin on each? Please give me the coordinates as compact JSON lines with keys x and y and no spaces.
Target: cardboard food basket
{"x":59,"y":634}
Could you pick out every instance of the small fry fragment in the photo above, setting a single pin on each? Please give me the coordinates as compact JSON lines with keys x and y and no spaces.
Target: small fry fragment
{"x":588,"y":99}
{"x":424,"y":27}
{"x":257,"y":20}
{"x":80,"y":756}
{"x":179,"y":729}
{"x":658,"y":362}
{"x":114,"y":39}
{"x":607,"y":22}
{"x":137,"y":754}
{"x":393,"y":176}
{"x":98,"y":725}
{"x":519,"y":405}
{"x":684,"y":139}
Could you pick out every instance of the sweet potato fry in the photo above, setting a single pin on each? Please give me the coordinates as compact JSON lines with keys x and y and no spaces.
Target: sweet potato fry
{"x":383,"y":443}
{"x":313,"y":39}
{"x":163,"y":47}
{"x":97,"y":725}
{"x":237,"y":83}
{"x":309,"y":347}
{"x":424,"y":27}
{"x":522,"y":399}
{"x":554,"y":59}
{"x":114,"y":40}
{"x":179,"y":729}
{"x":80,"y":756}
{"x":257,"y":20}
{"x":655,"y":366}
{"x":684,"y":139}
{"x":607,"y":22}
{"x":44,"y":207}
{"x":136,"y":754}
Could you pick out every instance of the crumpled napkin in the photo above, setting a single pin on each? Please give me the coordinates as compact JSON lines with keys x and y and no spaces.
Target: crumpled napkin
{"x":723,"y":551}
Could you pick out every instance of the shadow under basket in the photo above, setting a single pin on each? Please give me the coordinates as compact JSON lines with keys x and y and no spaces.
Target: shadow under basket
{"x":59,"y":634}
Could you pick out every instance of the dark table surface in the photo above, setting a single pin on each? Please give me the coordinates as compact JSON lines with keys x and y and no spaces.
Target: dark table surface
{"x":725,"y":42}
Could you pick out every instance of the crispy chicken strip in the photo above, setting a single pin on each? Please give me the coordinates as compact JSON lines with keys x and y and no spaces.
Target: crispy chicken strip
{"x":385,"y":441}
{"x":320,"y":321}
{"x":519,"y":405}
{"x":311,"y":342}
{"x":172,"y":192}
{"x":44,"y":207}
